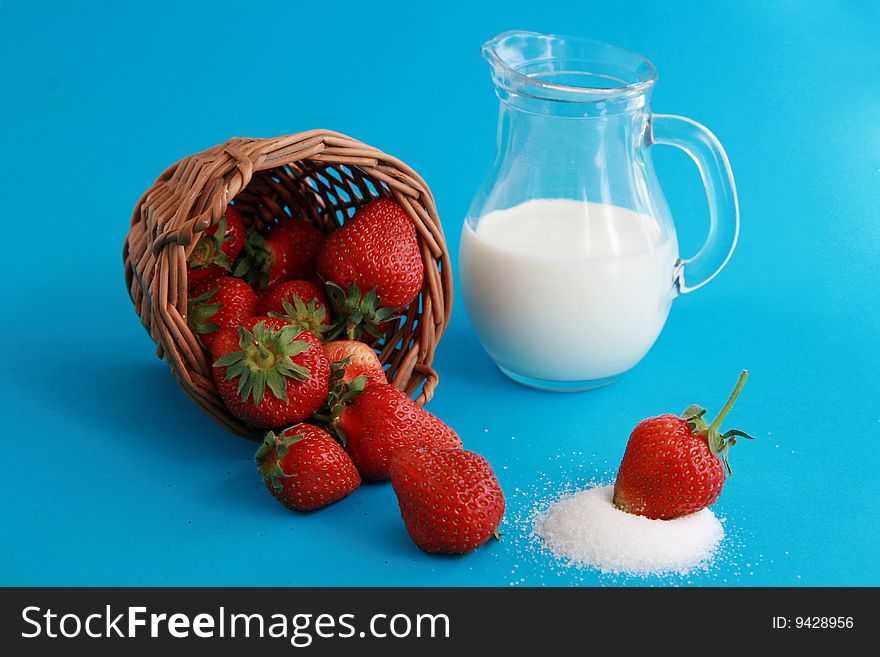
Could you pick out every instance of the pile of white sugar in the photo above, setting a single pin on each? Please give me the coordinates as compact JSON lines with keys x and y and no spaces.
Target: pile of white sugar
{"x":587,"y":529}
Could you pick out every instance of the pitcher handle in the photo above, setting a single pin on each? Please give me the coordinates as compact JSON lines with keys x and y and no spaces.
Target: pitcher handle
{"x":706,"y":151}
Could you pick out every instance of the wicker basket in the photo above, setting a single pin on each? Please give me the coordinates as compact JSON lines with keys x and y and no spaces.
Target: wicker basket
{"x":320,"y":175}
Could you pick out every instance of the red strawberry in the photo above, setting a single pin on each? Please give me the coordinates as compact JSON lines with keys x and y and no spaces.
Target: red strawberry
{"x":300,"y":302}
{"x":217,"y":249}
{"x":289,"y":250}
{"x":675,"y":466}
{"x":270,"y":373}
{"x":221,"y":303}
{"x":373,"y":266}
{"x":305,"y":468}
{"x":382,"y":421}
{"x":272,"y":299}
{"x":450,"y":499}
{"x":360,"y":359}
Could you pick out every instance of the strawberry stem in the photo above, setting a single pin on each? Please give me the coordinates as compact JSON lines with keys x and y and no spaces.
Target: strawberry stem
{"x":733,"y":395}
{"x":264,"y":357}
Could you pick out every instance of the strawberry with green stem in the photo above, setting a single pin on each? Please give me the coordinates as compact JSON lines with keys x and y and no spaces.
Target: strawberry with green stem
{"x":310,"y":316}
{"x":675,"y":466}
{"x":353,"y":366}
{"x":288,"y":250}
{"x":300,"y":302}
{"x":305,"y":468}
{"x":224,"y":302}
{"x":372,"y":267}
{"x":272,"y":299}
{"x":357,"y":359}
{"x":340,"y":394}
{"x":718,"y":442}
{"x":269,"y":372}
{"x":216,"y":250}
{"x":360,"y":315}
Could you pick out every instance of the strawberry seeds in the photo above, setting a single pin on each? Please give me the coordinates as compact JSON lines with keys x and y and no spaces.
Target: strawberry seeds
{"x":291,"y":317}
{"x":283,"y":310}
{"x":655,"y":518}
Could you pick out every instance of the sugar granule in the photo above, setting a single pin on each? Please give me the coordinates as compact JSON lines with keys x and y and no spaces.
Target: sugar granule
{"x":587,"y":529}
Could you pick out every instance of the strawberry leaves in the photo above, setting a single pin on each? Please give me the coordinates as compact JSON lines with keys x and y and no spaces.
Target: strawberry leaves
{"x":718,"y":442}
{"x":279,"y":445}
{"x":311,"y":316}
{"x":693,"y":414}
{"x":256,"y":260}
{"x":209,"y":250}
{"x":199,"y":311}
{"x":358,"y":313}
{"x":264,"y":359}
{"x":340,"y":395}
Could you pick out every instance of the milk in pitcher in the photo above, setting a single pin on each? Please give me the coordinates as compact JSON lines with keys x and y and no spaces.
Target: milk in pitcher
{"x":566,"y":290}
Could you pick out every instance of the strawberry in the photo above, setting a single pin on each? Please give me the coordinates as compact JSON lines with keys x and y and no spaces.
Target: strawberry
{"x":221,"y":303}
{"x":265,"y":352}
{"x":450,"y":499}
{"x":273,"y":298}
{"x":288,"y":251}
{"x":372,"y":266}
{"x":359,"y":360}
{"x":675,"y":466}
{"x":381,"y":421}
{"x":353,"y":366}
{"x":305,"y":468}
{"x":300,"y":302}
{"x":217,"y":249}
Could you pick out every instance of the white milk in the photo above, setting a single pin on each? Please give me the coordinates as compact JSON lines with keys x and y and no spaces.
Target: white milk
{"x":562,"y":290}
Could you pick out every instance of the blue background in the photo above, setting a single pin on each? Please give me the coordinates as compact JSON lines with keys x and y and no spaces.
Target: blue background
{"x":111,"y":476}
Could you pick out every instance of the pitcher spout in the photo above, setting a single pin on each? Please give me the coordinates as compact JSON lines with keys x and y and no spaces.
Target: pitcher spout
{"x":532,"y":67}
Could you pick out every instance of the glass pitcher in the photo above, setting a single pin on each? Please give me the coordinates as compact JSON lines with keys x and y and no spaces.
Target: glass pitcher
{"x":569,"y":260}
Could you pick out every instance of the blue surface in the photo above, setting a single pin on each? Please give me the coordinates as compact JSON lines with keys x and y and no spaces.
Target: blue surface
{"x":111,"y":476}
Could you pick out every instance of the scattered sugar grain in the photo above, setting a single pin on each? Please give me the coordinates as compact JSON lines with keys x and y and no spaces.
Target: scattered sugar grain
{"x":587,"y":529}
